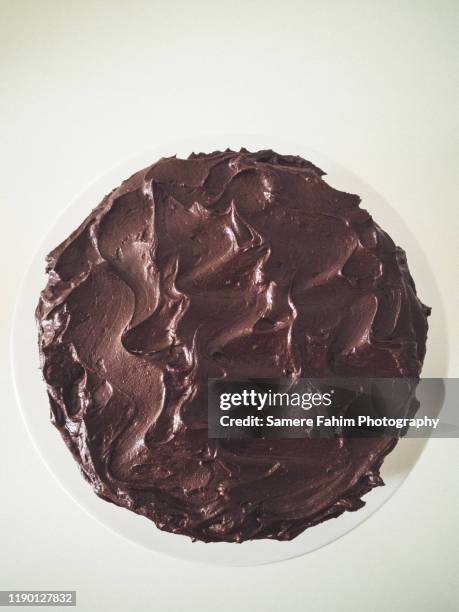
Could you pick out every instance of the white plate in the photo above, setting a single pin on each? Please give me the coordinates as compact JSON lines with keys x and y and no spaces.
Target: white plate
{"x":33,"y":401}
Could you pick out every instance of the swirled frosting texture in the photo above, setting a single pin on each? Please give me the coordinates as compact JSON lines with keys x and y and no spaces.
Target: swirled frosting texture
{"x":222,"y":265}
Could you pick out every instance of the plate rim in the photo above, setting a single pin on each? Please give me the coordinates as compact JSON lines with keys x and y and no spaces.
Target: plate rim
{"x":20,"y":309}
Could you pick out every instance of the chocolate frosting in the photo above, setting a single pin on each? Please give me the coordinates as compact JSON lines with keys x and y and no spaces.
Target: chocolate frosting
{"x":229,"y":264}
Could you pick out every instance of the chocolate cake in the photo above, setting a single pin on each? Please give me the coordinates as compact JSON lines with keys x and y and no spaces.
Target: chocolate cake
{"x":229,"y":264}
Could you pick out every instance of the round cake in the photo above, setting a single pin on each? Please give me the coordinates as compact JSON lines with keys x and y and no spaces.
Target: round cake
{"x":222,"y":265}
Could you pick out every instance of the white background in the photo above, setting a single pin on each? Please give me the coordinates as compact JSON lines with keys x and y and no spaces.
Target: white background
{"x":86,"y":85}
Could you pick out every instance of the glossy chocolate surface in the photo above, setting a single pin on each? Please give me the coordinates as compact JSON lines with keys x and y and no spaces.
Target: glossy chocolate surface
{"x":232,"y":264}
